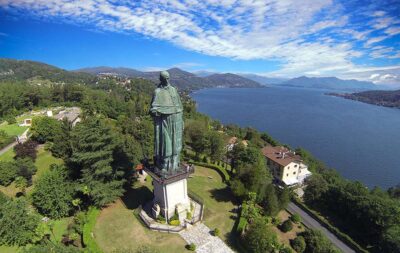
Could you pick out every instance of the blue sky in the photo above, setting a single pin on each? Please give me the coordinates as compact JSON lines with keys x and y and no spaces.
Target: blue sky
{"x":282,"y":38}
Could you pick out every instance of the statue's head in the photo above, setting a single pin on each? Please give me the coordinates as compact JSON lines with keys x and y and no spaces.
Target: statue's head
{"x":164,"y":77}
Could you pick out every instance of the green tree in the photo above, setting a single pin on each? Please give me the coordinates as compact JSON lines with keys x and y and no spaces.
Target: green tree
{"x":284,"y":198}
{"x":17,"y":223}
{"x":391,"y":240}
{"x":62,"y":141}
{"x":216,"y":146}
{"x":260,"y":238}
{"x":26,"y":168}
{"x":26,"y":149}
{"x":317,"y":243}
{"x":93,"y":147}
{"x":45,"y":129}
{"x":53,"y":193}
{"x":286,"y":226}
{"x":8,"y":172}
{"x":270,"y":202}
{"x":22,"y":183}
{"x":197,"y":133}
{"x":298,"y":244}
{"x":316,"y":186}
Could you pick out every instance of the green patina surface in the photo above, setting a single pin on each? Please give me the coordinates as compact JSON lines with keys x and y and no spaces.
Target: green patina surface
{"x":166,"y":110}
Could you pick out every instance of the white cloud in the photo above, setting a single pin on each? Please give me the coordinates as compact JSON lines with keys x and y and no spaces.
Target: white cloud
{"x":305,"y":36}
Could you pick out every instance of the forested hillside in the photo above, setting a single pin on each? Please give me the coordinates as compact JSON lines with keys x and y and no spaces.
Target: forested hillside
{"x":375,"y":97}
{"x":97,"y":157}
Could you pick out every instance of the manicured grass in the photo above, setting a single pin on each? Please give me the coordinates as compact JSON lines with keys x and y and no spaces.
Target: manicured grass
{"x":60,"y":227}
{"x":118,"y":228}
{"x":44,"y":160}
{"x":7,"y":156}
{"x":10,"y":190}
{"x":207,"y":183}
{"x":9,"y":249}
{"x":13,"y":129}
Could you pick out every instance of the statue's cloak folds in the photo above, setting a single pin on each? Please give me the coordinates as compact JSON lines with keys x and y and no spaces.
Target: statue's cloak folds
{"x":167,"y":110}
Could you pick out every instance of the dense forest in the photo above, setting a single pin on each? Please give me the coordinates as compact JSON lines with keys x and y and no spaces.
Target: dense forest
{"x":116,"y":134}
{"x":376,"y":97}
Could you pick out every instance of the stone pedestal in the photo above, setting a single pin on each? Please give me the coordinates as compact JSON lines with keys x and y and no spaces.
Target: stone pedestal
{"x":171,"y":196}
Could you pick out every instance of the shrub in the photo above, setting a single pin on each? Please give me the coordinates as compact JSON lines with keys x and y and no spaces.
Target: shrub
{"x":189,"y":215}
{"x":191,"y":247}
{"x":26,"y":149}
{"x":174,"y":222}
{"x":216,"y":232}
{"x":53,"y":193}
{"x":241,"y":225}
{"x":286,"y":226}
{"x":276,"y":221}
{"x":161,"y":219}
{"x":260,"y":238}
{"x":10,"y":119}
{"x":8,"y":172}
{"x":295,"y":218}
{"x":298,"y":244}
{"x":285,"y":250}
{"x":18,"y":224}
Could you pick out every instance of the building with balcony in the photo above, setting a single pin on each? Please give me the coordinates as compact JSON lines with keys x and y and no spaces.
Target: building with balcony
{"x":286,"y":167}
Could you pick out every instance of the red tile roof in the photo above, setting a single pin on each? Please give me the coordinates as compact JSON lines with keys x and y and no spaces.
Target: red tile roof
{"x":280,"y":155}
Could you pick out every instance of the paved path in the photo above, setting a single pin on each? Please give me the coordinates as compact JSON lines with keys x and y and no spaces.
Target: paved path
{"x":11,"y":145}
{"x":200,"y":235}
{"x":310,"y":222}
{"x":6,"y":148}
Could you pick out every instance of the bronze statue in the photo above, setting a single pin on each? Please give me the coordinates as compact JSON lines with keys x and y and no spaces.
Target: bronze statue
{"x":166,"y":110}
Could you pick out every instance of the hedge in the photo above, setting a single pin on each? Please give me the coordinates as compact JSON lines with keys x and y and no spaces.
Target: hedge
{"x":342,"y":236}
{"x":89,"y":242}
{"x":221,"y":170}
{"x":241,"y":225}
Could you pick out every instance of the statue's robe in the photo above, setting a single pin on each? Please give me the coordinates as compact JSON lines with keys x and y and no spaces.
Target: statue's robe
{"x":166,"y":109}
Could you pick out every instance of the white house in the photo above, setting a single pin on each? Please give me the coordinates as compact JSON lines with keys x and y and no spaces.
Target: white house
{"x":285,"y":165}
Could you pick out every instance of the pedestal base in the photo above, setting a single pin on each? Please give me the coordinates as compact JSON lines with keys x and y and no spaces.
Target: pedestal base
{"x":171,"y":197}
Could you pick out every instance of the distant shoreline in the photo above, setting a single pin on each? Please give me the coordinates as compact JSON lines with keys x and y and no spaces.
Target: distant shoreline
{"x":361,"y":97}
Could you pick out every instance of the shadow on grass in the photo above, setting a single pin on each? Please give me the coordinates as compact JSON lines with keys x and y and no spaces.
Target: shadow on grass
{"x":134,"y":197}
{"x":223,"y":195}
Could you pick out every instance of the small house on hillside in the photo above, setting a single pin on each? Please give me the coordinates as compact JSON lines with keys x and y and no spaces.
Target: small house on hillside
{"x":71,"y":114}
{"x":231,"y":143}
{"x":286,"y":167}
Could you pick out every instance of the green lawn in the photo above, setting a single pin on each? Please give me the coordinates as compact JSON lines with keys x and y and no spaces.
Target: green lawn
{"x":8,"y":249}
{"x":118,"y":228}
{"x":7,"y":156}
{"x":59,"y":228}
{"x":44,"y":160}
{"x":13,"y":129}
{"x":207,"y":183}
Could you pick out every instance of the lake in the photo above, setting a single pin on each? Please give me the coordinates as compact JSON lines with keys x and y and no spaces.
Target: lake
{"x":361,"y":141}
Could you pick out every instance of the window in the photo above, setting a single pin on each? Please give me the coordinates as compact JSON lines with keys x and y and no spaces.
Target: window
{"x":294,"y":173}
{"x":287,"y":174}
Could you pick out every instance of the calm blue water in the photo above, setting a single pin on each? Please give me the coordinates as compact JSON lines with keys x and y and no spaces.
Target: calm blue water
{"x":359,"y":140}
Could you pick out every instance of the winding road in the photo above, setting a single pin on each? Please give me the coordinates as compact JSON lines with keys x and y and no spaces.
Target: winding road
{"x":310,"y":222}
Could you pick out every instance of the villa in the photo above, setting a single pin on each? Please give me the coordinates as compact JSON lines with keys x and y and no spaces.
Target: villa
{"x":285,"y":165}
